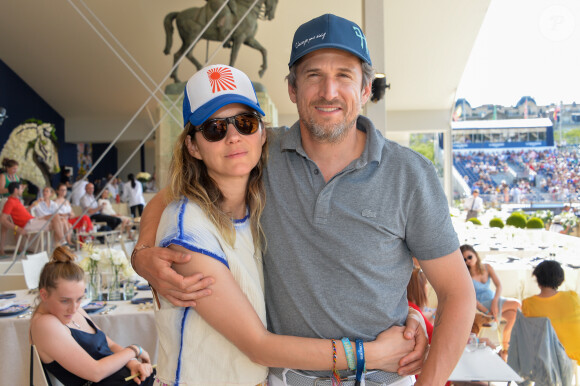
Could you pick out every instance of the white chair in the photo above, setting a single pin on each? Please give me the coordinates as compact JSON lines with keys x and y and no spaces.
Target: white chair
{"x":32,"y":267}
{"x":38,"y":375}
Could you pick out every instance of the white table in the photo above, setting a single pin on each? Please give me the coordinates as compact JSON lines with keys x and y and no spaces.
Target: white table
{"x":127,"y":324}
{"x":483,"y":365}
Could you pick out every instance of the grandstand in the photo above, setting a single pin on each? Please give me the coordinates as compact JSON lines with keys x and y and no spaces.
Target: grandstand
{"x":514,"y":162}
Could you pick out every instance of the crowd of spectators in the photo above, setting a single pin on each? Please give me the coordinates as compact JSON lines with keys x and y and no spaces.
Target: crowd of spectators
{"x":551,"y":174}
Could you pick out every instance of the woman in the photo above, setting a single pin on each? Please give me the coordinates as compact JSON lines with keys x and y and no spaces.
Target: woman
{"x":69,"y":344}
{"x":133,"y":196}
{"x":105,"y":203}
{"x":216,"y":198}
{"x":562,"y":308}
{"x":489,"y":301}
{"x":83,"y":223}
{"x":44,"y":207}
{"x":10,"y":167}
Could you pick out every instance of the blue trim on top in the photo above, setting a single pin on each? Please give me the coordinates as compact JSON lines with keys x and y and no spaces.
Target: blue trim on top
{"x":178,"y":369}
{"x":180,"y":240}
{"x":193,"y":248}
{"x":180,"y":218}
{"x":242,"y":220}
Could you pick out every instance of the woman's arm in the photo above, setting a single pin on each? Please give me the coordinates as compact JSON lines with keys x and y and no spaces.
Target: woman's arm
{"x":55,"y":343}
{"x":143,"y":368}
{"x":247,"y":332}
{"x":497,"y":283}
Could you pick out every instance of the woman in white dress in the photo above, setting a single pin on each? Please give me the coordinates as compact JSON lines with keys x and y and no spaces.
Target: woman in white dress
{"x":44,"y":208}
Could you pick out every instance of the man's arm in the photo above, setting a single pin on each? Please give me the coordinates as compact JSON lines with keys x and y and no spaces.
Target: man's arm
{"x":154,"y":263}
{"x":455,"y":314}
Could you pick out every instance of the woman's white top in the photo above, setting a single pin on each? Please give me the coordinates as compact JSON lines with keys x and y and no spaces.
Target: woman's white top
{"x":133,"y":196}
{"x":107,"y":207}
{"x":43,"y":209}
{"x":191,"y":352}
{"x":65,"y":208}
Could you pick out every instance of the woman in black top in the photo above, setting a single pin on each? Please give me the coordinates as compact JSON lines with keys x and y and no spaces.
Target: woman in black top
{"x":69,"y":344}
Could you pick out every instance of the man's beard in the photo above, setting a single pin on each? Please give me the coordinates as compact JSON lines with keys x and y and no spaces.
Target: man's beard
{"x":330,"y":132}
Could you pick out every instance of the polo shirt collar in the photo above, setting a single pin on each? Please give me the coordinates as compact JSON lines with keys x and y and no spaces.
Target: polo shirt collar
{"x":291,"y":140}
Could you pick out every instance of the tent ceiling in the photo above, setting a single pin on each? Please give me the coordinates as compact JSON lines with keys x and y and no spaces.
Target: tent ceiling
{"x":56,"y":52}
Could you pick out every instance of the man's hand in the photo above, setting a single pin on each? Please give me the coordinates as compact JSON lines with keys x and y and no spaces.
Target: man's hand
{"x":154,"y":264}
{"x":389,"y":348}
{"x":415,"y":330}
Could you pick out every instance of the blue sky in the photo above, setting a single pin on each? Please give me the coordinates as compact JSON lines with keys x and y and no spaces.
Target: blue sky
{"x":525,"y":47}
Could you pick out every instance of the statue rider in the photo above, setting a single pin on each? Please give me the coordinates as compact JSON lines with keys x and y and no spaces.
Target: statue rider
{"x":225,"y":21}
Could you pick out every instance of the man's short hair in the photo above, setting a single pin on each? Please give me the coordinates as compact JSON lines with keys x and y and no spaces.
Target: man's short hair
{"x":475,"y":190}
{"x":13,"y":186}
{"x":549,"y":274}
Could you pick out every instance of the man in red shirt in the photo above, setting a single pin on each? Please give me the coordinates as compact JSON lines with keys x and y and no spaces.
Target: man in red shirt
{"x":22,"y":221}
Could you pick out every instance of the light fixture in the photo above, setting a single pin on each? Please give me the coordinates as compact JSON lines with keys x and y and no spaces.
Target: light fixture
{"x":3,"y":115}
{"x":378,"y":87}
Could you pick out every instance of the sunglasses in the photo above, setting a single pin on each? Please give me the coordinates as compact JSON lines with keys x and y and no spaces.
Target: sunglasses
{"x":214,"y":130}
{"x":468,"y":258}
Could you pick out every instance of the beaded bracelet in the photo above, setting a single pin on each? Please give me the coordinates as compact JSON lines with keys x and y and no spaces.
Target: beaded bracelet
{"x":335,"y":373}
{"x":349,"y":354}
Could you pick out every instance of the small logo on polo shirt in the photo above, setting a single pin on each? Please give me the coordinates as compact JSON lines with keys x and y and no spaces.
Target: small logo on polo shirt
{"x":369,"y":213}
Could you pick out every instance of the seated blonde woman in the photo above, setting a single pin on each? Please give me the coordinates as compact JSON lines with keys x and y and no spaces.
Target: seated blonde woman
{"x":44,"y":208}
{"x":71,"y":347}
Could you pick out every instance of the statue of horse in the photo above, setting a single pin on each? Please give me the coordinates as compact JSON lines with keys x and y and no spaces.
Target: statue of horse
{"x":191,"y":21}
{"x":34,"y":146}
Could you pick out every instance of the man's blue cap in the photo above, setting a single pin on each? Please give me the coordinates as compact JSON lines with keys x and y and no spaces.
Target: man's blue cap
{"x":329,"y":31}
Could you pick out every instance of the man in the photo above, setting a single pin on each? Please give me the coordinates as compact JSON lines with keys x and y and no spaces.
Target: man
{"x":473,"y":204}
{"x":94,"y":209}
{"x":345,"y":211}
{"x":22,"y":221}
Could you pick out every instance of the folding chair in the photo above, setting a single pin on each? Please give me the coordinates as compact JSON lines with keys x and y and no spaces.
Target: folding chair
{"x":38,"y":375}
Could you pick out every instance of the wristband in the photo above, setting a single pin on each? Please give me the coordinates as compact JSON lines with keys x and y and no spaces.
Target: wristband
{"x":360,"y":363}
{"x":134,"y":349}
{"x":349,"y":354}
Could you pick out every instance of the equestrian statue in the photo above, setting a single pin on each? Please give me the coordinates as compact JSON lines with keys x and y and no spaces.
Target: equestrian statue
{"x":190,"y":23}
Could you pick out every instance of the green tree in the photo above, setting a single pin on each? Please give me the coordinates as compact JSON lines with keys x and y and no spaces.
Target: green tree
{"x":423,"y":144}
{"x":572,"y":136}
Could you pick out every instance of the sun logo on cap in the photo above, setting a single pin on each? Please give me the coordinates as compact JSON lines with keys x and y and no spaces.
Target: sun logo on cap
{"x":221,"y":79}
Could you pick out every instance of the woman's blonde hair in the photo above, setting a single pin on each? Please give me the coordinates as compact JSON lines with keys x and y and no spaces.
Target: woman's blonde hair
{"x":188,"y":177}
{"x":61,"y":266}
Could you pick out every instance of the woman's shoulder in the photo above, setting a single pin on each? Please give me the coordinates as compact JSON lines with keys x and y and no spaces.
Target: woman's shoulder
{"x":46,"y":323}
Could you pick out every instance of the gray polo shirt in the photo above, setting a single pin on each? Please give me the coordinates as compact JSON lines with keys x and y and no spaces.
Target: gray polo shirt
{"x":338,"y":258}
